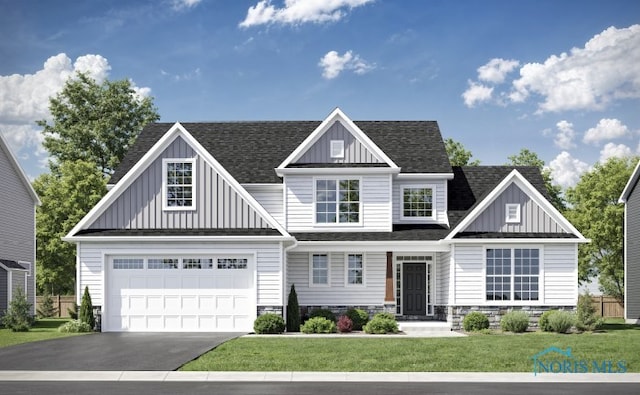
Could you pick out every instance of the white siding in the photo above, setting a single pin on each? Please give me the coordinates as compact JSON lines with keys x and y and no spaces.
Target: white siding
{"x":374,"y":196}
{"x":560,"y":275}
{"x":442,"y":278}
{"x":270,"y":198}
{"x":440,"y":200}
{"x":337,"y":294}
{"x":469,"y":277}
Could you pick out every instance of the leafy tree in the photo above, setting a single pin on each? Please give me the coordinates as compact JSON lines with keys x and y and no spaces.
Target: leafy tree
{"x":67,"y":195}
{"x":595,"y":212}
{"x":18,"y":316}
{"x":458,"y":154}
{"x":86,"y":309}
{"x":529,"y":158}
{"x":293,"y":311}
{"x":95,"y":122}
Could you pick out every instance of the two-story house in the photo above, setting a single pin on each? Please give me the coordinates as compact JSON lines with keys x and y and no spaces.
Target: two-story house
{"x":207,"y":225}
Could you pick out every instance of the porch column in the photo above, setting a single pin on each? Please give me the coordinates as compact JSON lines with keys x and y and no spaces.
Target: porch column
{"x":389,"y":297}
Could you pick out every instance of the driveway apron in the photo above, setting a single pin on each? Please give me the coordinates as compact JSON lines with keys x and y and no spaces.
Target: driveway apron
{"x":112,"y":351}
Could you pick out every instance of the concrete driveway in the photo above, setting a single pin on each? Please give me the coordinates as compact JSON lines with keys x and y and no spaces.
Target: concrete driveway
{"x":112,"y":351}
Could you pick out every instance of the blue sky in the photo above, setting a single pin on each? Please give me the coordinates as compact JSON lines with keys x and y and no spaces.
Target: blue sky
{"x":561,"y":78}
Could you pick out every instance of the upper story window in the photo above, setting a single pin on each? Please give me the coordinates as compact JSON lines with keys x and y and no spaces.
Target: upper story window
{"x":512,"y":213}
{"x":179,"y":184}
{"x":337,"y":149}
{"x":337,"y":201}
{"x":417,"y":202}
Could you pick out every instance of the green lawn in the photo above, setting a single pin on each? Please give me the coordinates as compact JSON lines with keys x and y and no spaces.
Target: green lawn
{"x":42,"y":330}
{"x":476,"y":353}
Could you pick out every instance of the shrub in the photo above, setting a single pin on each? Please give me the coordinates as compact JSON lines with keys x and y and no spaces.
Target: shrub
{"x":382,"y":323}
{"x":560,"y":321}
{"x":293,"y":311}
{"x":73,"y":311}
{"x":515,"y":321}
{"x":325,"y":313}
{"x":586,"y":317}
{"x":74,"y":326}
{"x":318,"y":325}
{"x":47,"y":308}
{"x":18,"y":316}
{"x":268,"y":324}
{"x":86,"y":309}
{"x":475,"y":321}
{"x":543,"y":321}
{"x":345,"y":324}
{"x":359,"y":318}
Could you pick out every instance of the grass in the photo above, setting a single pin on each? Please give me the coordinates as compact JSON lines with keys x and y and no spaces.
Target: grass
{"x":43,"y":329}
{"x":475,"y":353}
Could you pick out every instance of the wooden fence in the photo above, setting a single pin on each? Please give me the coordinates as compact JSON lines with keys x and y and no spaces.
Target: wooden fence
{"x":608,"y":307}
{"x":60,"y":303}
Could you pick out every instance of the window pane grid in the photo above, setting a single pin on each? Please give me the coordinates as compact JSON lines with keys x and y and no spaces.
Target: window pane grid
{"x":179,"y":184}
{"x":232,"y":263}
{"x":417,"y":202}
{"x":512,"y":274}
{"x":128,"y":263}
{"x":337,"y":201}
{"x":320,"y":269}
{"x":197,"y":263}
{"x":355,"y":269}
{"x":162,"y":263}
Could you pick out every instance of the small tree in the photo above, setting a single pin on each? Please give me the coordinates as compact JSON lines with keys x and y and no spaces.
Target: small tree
{"x":86,"y":309}
{"x":586,"y":317}
{"x":18,"y":316}
{"x":73,"y":311}
{"x":293,"y":311}
{"x":47,"y":309}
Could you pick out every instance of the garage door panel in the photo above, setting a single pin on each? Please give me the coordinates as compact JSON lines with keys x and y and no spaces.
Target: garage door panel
{"x":189,"y":304}
{"x":155,"y":304}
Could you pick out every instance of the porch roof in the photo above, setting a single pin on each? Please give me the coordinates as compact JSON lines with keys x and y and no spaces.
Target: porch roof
{"x":399,"y":233}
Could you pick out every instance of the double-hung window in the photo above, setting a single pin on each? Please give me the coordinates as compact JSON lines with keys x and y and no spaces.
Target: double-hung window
{"x":417,"y":202}
{"x":337,"y":201}
{"x":355,"y":269}
{"x":512,"y":274}
{"x":319,"y":270}
{"x":179,"y":184}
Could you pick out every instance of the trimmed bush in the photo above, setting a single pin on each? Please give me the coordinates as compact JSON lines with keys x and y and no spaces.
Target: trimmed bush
{"x":586,"y":317}
{"x":18,"y":316}
{"x":543,"y":321}
{"x":475,"y":321}
{"x":345,"y":324}
{"x":86,"y":309}
{"x":515,"y":321}
{"x":561,"y":321}
{"x":74,"y":326}
{"x":318,"y":325}
{"x":382,"y":323}
{"x":293,"y":311}
{"x":325,"y":313}
{"x":359,"y":318}
{"x":268,"y":324}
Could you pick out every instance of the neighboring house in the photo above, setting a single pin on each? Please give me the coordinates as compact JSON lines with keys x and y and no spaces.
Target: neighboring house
{"x":207,"y":225}
{"x":18,"y":203}
{"x":631,"y":199}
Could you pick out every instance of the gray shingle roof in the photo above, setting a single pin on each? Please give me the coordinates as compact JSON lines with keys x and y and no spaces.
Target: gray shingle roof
{"x":12,"y":264}
{"x":178,"y":232}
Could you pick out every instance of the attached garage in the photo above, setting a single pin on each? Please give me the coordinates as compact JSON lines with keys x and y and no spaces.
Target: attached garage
{"x":180,"y":293}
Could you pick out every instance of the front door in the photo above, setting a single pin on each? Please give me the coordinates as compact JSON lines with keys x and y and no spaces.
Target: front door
{"x":414,"y":284}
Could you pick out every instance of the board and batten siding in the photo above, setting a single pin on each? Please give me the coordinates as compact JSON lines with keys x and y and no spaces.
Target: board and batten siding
{"x":560,"y":274}
{"x":632,"y":264}
{"x":440,"y":200}
{"x":354,"y":150}
{"x":218,"y":205}
{"x":269,"y":257}
{"x":270,"y":198}
{"x":443,"y":263}
{"x":338,"y":294}
{"x":533,"y":218}
{"x":375,"y":211}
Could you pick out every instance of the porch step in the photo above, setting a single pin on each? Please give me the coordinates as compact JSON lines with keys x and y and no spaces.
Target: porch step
{"x":424,"y":326}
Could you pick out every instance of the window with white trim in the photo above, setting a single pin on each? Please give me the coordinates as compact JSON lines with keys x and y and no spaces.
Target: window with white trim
{"x":512,"y":274}
{"x":179,"y":184}
{"x":319,"y":269}
{"x":197,"y":263}
{"x":355,"y":269}
{"x":417,"y":202}
{"x":128,"y":263}
{"x":512,"y":213}
{"x":337,"y":149}
{"x":232,"y":263}
{"x":337,"y":201}
{"x":162,"y":263}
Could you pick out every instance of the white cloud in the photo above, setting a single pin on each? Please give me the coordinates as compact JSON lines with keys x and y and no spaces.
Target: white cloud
{"x":565,"y":136}
{"x":496,"y":70}
{"x":476,"y":93}
{"x":296,"y":12}
{"x":606,"y":129}
{"x":612,"y":150}
{"x":566,"y":170}
{"x":184,"y":4}
{"x":333,"y":64}
{"x":587,"y":78}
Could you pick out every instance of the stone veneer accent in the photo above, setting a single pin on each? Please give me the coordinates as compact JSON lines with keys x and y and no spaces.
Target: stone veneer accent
{"x":455,"y":314}
{"x":270,"y":310}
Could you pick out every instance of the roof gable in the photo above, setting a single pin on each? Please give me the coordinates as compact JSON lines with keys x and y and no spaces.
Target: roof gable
{"x":13,"y":161}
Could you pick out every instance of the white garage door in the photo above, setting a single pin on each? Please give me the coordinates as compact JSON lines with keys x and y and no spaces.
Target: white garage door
{"x":178,"y":294}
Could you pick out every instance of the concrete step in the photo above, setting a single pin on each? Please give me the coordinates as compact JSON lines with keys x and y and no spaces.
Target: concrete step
{"x":424,"y":326}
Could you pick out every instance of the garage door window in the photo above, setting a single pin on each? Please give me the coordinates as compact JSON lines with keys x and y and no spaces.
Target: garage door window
{"x":232,"y":263}
{"x":128,"y":263}
{"x":190,"y":263}
{"x":167,"y":263}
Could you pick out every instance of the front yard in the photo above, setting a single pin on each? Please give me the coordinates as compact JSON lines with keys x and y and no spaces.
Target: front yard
{"x":42,"y":330}
{"x":475,"y":353}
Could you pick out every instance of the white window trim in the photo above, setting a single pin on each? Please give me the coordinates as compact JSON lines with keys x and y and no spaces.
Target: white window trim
{"x":337,"y":149}
{"x":346,"y":269}
{"x":434,"y":190}
{"x":194,"y":195}
{"x":541,"y":276}
{"x":337,"y":224}
{"x":311,"y":283}
{"x":508,"y":218}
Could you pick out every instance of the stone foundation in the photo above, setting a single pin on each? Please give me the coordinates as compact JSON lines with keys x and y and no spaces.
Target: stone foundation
{"x":270,"y":309}
{"x":455,"y":314}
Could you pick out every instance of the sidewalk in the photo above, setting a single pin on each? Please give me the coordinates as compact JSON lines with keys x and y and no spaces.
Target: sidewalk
{"x":415,"y":377}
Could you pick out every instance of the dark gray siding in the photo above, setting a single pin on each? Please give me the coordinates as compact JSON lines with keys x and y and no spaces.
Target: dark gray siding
{"x":533,"y":218}
{"x":3,"y":291}
{"x":354,"y":151}
{"x":632,"y":302}
{"x":218,"y":205}
{"x":17,"y":279}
